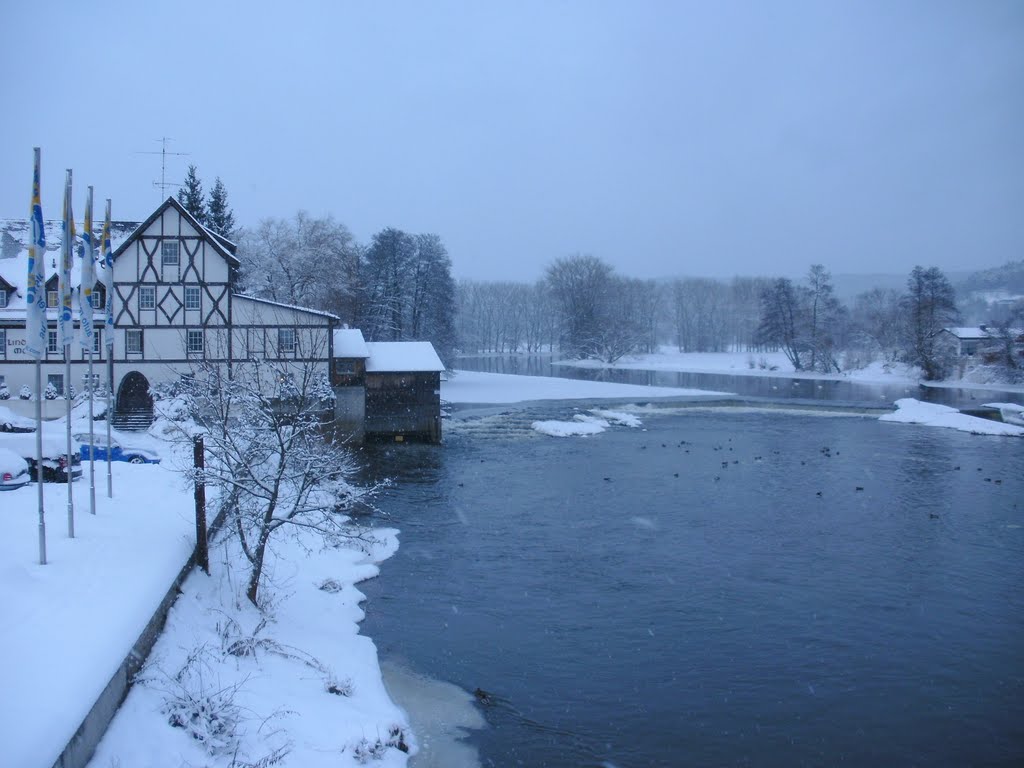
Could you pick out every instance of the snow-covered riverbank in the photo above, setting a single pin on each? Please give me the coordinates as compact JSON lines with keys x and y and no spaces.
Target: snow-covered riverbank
{"x":776,"y":364}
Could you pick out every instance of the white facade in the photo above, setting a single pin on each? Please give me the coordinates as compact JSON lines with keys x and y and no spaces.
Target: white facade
{"x":174,"y":307}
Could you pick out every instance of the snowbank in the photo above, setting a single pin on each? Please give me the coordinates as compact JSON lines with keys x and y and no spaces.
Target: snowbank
{"x":583,"y":424}
{"x":910,"y":411}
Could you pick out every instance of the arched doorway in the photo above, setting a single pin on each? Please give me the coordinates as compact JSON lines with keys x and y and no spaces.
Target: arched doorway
{"x":134,"y":409}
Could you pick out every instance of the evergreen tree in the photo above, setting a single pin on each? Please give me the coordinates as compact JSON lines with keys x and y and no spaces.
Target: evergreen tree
{"x":191,"y":195}
{"x":929,"y":306}
{"x":219,"y":217}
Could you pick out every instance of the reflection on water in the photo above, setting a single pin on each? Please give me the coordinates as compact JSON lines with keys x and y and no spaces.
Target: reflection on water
{"x":714,"y":588}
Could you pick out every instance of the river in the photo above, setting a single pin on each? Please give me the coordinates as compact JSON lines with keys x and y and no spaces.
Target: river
{"x":723,"y":586}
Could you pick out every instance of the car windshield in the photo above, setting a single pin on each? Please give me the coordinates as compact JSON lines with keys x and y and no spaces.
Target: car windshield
{"x":100,"y":441}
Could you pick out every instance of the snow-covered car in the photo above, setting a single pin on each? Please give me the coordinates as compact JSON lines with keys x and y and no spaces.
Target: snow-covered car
{"x":99,"y":447}
{"x":13,"y":470}
{"x":55,"y":460}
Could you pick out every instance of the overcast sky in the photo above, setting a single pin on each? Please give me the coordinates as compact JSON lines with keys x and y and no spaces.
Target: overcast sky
{"x":668,"y":138}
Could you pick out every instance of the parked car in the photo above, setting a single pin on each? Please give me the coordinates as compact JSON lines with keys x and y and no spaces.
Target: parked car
{"x":13,"y":470}
{"x":55,"y":460}
{"x":118,"y":451}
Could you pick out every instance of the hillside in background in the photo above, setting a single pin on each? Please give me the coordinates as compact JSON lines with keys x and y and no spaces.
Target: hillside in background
{"x":1009,"y":278}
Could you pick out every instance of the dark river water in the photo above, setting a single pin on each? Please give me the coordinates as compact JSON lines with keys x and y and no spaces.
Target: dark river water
{"x":723,"y":586}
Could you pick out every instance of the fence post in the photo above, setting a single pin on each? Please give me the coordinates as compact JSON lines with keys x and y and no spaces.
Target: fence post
{"x":202,"y":551}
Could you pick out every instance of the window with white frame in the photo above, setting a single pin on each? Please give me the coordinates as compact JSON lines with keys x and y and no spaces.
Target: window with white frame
{"x":90,"y":384}
{"x":147,"y":297}
{"x":97,"y":299}
{"x":3,"y":298}
{"x":51,"y":342}
{"x":169,"y":254}
{"x":3,"y":343}
{"x":96,"y":342}
{"x":194,"y":342}
{"x":192,"y":297}
{"x":133,"y":341}
{"x":51,"y":299}
{"x":286,"y":341}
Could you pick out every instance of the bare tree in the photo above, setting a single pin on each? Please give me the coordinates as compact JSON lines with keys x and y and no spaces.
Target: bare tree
{"x":580,"y":286}
{"x":303,"y":261}
{"x":823,"y":314}
{"x":1006,"y":348}
{"x":877,"y":322}
{"x":268,"y":455}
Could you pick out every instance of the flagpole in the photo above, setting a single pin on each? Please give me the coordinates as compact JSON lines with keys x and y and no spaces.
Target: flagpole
{"x":36,"y":331}
{"x":108,"y":278}
{"x":39,"y":460}
{"x":88,"y":335}
{"x":66,"y":327}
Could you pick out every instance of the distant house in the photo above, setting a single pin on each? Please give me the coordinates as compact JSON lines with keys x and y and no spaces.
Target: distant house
{"x":975,"y":342}
{"x":391,"y":388}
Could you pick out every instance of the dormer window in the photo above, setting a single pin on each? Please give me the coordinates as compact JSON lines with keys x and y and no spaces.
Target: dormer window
{"x":6,"y":291}
{"x":51,"y":299}
{"x":169,"y":254}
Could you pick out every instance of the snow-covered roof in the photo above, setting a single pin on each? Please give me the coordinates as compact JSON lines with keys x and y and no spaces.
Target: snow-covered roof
{"x":979,"y":332}
{"x":349,"y":342}
{"x":14,"y":240}
{"x":292,"y":307}
{"x":402,"y":357}
{"x":221,"y":244}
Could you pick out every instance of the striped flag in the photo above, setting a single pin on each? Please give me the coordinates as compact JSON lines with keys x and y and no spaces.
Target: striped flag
{"x":67,"y":250}
{"x":108,"y":281}
{"x":87,"y":279}
{"x":35,"y":292}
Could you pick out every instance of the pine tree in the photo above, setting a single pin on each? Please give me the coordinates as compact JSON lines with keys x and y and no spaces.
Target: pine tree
{"x":191,"y":195}
{"x":219,"y":217}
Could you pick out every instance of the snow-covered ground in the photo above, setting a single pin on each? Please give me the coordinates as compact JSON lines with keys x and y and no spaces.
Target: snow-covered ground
{"x":776,"y":364}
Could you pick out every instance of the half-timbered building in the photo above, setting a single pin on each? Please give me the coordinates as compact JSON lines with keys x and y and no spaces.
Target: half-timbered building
{"x":175,"y":307}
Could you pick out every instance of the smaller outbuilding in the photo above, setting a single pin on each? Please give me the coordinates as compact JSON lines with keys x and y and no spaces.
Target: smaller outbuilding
{"x":386,"y":389}
{"x":403,"y":390}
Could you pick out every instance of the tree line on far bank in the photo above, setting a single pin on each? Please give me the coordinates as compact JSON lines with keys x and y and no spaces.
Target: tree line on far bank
{"x":583,"y":309}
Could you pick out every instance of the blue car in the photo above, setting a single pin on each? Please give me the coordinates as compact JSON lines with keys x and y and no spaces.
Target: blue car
{"x":99,"y":448}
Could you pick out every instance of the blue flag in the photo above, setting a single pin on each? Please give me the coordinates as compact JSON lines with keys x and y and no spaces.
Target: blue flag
{"x":35,"y":292}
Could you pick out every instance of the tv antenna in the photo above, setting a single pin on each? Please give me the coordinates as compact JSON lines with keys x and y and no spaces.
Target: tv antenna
{"x":163,"y":184}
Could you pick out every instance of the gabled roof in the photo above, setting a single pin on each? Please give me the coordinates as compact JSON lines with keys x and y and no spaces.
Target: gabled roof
{"x":221,"y":244}
{"x":349,"y":342}
{"x":402,"y":357}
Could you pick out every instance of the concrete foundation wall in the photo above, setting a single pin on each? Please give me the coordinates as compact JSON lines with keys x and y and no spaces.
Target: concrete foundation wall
{"x":350,"y":412}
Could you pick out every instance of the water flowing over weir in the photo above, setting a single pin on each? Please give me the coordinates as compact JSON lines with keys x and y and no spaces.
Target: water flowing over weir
{"x":720,"y":586}
{"x":772,"y":388}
